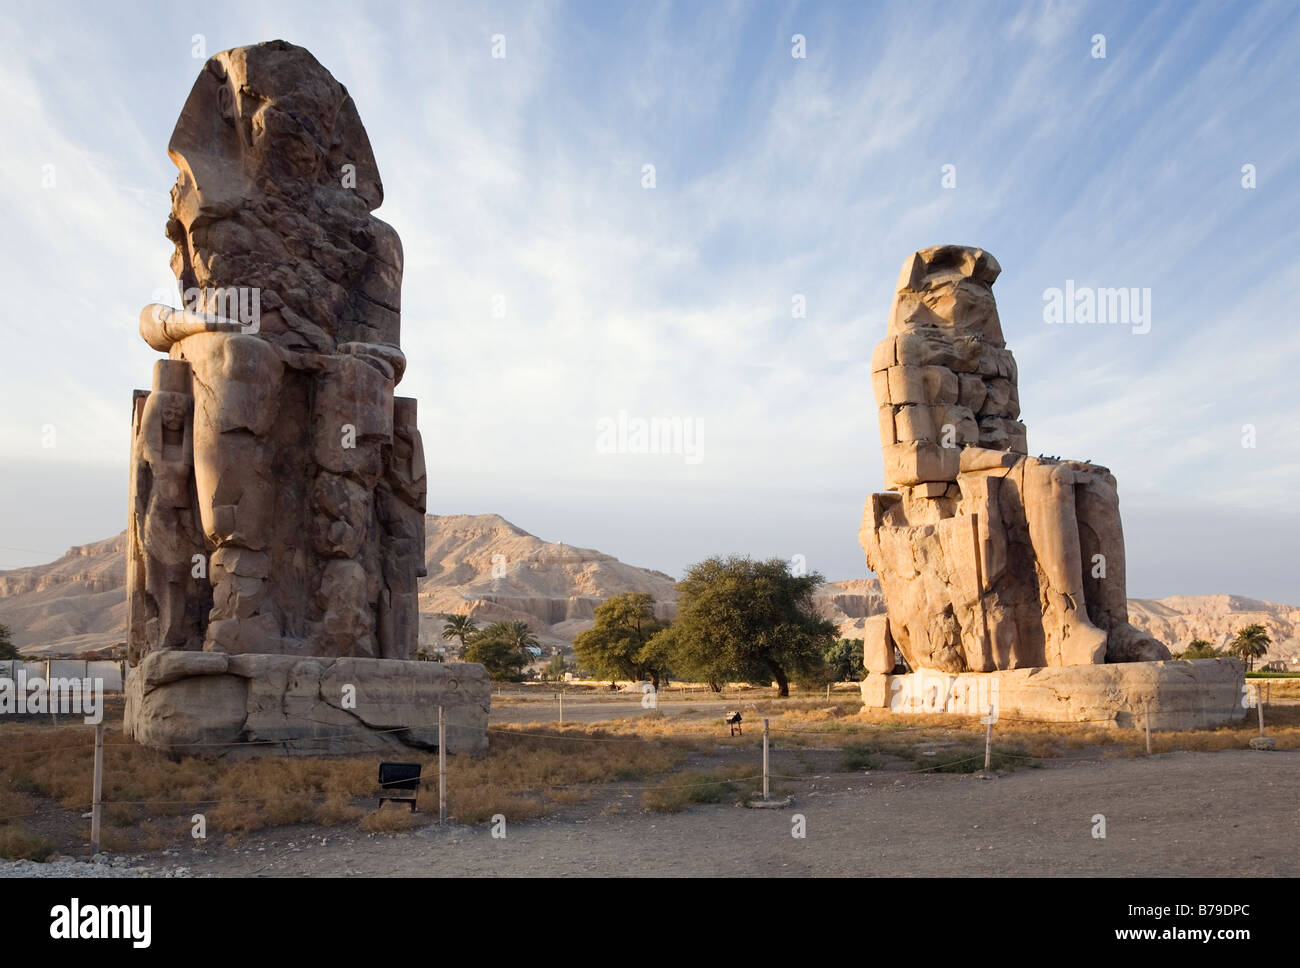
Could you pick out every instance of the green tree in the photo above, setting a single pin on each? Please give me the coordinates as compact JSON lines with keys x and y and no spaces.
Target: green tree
{"x":753,"y":620}
{"x":556,"y":668}
{"x":844,"y":661}
{"x":496,"y":648}
{"x":7,"y":648}
{"x":1199,"y":649}
{"x":1251,"y":643}
{"x":459,"y":627}
{"x":522,"y":636}
{"x":620,"y":645}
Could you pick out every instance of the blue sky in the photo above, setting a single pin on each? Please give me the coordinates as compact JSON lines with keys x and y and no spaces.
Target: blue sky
{"x":521,"y":178}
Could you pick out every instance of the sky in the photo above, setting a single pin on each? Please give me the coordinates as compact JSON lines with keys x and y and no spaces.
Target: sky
{"x":551,"y":290}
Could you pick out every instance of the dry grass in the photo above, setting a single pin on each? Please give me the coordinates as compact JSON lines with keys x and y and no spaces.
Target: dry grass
{"x":1277,"y":688}
{"x":812,"y":723}
{"x":390,"y":819}
{"x":697,"y":786}
{"x":17,"y":843}
{"x":150,"y":799}
{"x":528,"y":772}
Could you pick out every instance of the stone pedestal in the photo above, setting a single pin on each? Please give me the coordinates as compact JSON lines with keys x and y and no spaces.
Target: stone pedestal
{"x":287,"y":705}
{"x":1197,"y":694}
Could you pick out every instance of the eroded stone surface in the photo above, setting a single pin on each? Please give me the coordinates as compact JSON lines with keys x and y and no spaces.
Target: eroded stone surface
{"x":240,"y":705}
{"x":989,"y":559}
{"x":1198,"y":694}
{"x":276,"y":523}
{"x":278,"y":484}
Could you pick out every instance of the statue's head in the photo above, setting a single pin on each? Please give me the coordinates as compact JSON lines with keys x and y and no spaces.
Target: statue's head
{"x":276,"y":168}
{"x":946,"y":291}
{"x":942,"y":376}
{"x":264,"y":118}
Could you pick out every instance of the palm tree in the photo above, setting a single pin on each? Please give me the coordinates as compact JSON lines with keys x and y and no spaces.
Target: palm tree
{"x":522,"y":636}
{"x":459,"y":627}
{"x":1250,"y":643}
{"x":1199,"y":649}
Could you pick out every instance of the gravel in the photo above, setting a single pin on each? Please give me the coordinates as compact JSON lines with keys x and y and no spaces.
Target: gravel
{"x":101,"y":866}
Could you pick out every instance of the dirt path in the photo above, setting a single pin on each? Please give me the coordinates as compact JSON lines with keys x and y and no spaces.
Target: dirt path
{"x":1212,"y":814}
{"x":596,"y":712}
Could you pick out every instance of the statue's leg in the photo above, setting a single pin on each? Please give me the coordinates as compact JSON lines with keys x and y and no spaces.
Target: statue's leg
{"x":1071,"y":637}
{"x":237,"y":381}
{"x":1102,"y":541}
{"x":352,"y":425}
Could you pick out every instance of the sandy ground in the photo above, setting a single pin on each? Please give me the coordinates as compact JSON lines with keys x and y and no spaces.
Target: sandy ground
{"x":1228,"y":814}
{"x":596,"y":712}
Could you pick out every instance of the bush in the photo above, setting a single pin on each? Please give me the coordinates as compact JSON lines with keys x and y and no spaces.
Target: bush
{"x":844,"y":660}
{"x":858,"y":756}
{"x":19,"y":843}
{"x":972,"y":761}
{"x":691,"y":787}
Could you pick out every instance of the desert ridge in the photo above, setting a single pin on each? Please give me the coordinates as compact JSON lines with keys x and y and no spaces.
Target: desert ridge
{"x":494,"y":570}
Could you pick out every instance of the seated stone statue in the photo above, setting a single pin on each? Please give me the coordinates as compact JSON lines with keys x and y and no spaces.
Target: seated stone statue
{"x":309,"y":494}
{"x":989,"y":559}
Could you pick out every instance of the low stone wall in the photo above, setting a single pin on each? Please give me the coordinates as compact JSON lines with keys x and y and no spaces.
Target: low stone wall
{"x":286,"y":705}
{"x":1196,"y":694}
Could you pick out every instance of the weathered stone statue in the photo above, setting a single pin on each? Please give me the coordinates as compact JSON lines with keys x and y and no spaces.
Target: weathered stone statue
{"x":168,"y":605}
{"x":292,"y":418}
{"x":989,"y":559}
{"x":278,"y":485}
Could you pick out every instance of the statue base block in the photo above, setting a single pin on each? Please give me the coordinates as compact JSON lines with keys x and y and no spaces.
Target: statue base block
{"x":1196,"y":694}
{"x":211,"y":703}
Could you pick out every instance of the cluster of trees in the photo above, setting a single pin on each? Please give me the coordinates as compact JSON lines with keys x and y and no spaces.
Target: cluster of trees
{"x":501,"y":647}
{"x":7,"y":648}
{"x":1250,"y":643}
{"x":737,"y":620}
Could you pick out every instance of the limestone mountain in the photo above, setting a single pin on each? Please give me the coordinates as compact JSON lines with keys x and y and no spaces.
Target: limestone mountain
{"x":1217,"y":619}
{"x":72,"y":606}
{"x":486,"y":567}
{"x":1176,"y":620}
{"x":481,"y":565}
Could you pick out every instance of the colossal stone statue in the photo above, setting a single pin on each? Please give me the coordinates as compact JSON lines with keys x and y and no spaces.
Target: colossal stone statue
{"x":989,"y":559}
{"x":279,"y":383}
{"x":276,"y":522}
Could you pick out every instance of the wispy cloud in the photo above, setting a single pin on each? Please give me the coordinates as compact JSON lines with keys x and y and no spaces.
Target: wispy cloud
{"x":516,"y":183}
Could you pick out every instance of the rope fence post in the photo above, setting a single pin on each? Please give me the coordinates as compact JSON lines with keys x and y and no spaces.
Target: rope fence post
{"x":561,"y":707}
{"x":766,"y":730}
{"x":96,"y":806}
{"x":1146,"y":717}
{"x":442,"y":767}
{"x":988,"y":743}
{"x":54,"y":709}
{"x":1259,"y":706}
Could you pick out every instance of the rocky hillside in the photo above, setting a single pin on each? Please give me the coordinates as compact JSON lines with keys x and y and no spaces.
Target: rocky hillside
{"x":71,"y":606}
{"x":1217,"y":619}
{"x":477,"y":564}
{"x":484,"y":566}
{"x":487,"y":567}
{"x":1176,"y":620}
